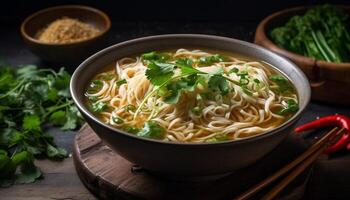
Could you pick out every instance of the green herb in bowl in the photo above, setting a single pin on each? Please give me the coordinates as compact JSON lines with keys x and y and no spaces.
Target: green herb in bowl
{"x":321,"y":33}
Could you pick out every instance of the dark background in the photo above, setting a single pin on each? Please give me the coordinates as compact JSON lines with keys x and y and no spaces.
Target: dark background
{"x":138,"y":18}
{"x":13,"y":11}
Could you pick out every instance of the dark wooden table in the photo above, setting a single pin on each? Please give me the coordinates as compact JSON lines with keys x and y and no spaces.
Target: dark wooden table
{"x":329,"y":179}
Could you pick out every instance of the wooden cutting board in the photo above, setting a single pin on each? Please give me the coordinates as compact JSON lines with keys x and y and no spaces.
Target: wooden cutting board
{"x":110,"y":176}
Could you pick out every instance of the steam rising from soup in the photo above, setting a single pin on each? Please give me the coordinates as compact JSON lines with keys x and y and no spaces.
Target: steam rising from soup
{"x":192,"y":96}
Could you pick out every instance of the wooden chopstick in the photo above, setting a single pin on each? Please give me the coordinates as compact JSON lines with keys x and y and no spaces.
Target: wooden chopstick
{"x":300,"y":168}
{"x":314,"y":148}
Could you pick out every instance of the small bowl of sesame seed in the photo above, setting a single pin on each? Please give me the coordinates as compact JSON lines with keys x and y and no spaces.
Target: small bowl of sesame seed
{"x":65,"y":34}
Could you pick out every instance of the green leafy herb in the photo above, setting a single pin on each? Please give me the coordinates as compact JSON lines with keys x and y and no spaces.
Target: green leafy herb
{"x":29,"y":98}
{"x":211,"y":59}
{"x":218,"y":84}
{"x":99,"y":107}
{"x":129,"y":129}
{"x":292,"y":107}
{"x":158,"y":73}
{"x":283,"y":84}
{"x":175,"y":88}
{"x":161,"y":74}
{"x":32,"y":122}
{"x":218,"y":138}
{"x":321,"y":33}
{"x":94,"y":86}
{"x":152,"y":129}
{"x":155,"y":56}
{"x":54,"y":152}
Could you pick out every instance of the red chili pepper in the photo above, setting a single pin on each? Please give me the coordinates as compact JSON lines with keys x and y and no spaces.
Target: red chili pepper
{"x":332,"y":120}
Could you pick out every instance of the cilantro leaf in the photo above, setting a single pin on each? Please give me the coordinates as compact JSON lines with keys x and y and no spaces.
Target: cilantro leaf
{"x":155,"y":56}
{"x":175,"y":88}
{"x":58,"y":117}
{"x":152,"y":129}
{"x":56,"y":153}
{"x":283,"y":84}
{"x":29,"y":174}
{"x":94,"y":86}
{"x":9,"y":137}
{"x":30,"y":97}
{"x":73,"y":119}
{"x":186,"y":66}
{"x":211,"y":59}
{"x":158,"y":73}
{"x":32,"y":122}
{"x":99,"y":106}
{"x":218,"y":84}
{"x":27,"y":71}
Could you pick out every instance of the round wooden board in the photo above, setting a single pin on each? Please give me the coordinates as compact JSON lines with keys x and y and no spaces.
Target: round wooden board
{"x":109,"y":176}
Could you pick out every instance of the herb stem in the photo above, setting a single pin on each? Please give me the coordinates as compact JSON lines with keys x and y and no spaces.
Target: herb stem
{"x":14,"y":89}
{"x":155,"y":90}
{"x":57,"y":108}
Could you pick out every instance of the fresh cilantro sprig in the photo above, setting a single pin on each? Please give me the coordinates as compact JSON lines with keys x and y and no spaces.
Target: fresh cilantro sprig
{"x":162,"y":76}
{"x":29,"y":98}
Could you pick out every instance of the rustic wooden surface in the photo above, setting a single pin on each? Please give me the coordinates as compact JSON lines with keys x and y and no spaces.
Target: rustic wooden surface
{"x":109,"y":176}
{"x":60,"y":183}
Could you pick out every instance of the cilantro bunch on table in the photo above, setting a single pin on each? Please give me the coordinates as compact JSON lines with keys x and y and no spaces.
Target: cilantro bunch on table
{"x":29,"y":99}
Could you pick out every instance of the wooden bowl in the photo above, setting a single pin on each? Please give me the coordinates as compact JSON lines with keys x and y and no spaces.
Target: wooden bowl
{"x":330,"y":82}
{"x":69,"y":53}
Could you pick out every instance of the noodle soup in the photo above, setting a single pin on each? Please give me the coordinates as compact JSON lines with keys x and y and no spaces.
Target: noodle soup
{"x":192,"y":96}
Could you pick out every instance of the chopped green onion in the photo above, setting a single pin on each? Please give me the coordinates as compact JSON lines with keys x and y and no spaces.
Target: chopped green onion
{"x":196,"y":110}
{"x":117,"y":120}
{"x":233,"y":70}
{"x":120,"y":82}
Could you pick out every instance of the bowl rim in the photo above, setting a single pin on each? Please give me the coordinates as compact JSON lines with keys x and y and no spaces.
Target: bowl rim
{"x":84,"y":109}
{"x":80,"y":7}
{"x":262,"y":32}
